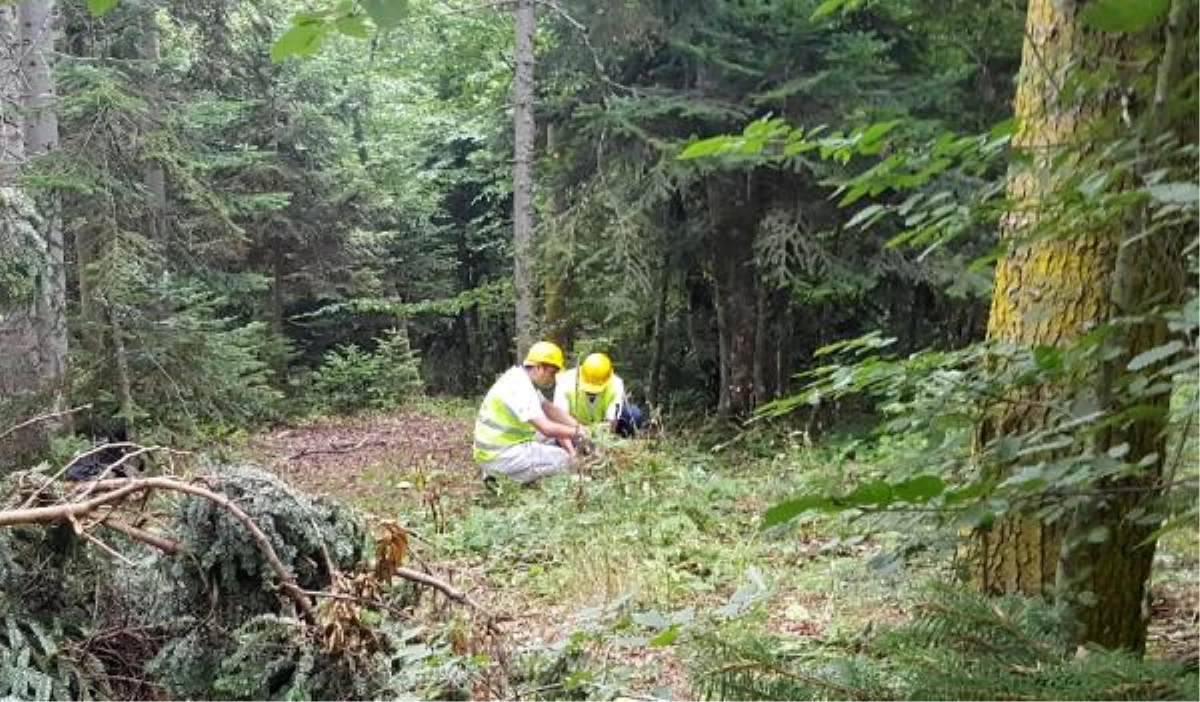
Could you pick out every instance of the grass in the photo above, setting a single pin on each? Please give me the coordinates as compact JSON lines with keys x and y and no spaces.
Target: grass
{"x":652,"y":541}
{"x":608,"y":579}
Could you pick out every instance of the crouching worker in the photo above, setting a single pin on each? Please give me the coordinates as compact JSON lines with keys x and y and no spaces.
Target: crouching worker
{"x":593,"y":393}
{"x":514,"y":413}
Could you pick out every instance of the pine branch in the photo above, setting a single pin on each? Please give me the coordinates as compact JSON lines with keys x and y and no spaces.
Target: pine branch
{"x":117,"y":490}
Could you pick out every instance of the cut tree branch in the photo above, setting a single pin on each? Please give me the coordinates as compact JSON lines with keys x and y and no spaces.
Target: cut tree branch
{"x":336,"y":449}
{"x":116,"y":490}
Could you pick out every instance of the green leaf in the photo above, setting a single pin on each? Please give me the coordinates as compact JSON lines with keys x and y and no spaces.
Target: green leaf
{"x":300,"y":40}
{"x":1156,"y":354}
{"x":666,"y":638}
{"x":831,"y":6}
{"x":977,"y":516}
{"x":869,"y":140}
{"x":99,"y":8}
{"x":919,"y":489}
{"x":386,"y":13}
{"x":353,"y":26}
{"x":873,"y":493}
{"x":1174,"y":193}
{"x":789,"y":510}
{"x":863,"y":215}
{"x":1123,"y":15}
{"x":707,"y":147}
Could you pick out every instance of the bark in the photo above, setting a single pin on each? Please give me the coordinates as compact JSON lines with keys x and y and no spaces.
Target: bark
{"x":1049,"y":291}
{"x":33,"y":360}
{"x":41,"y":136}
{"x":523,"y":133}
{"x":733,"y":211}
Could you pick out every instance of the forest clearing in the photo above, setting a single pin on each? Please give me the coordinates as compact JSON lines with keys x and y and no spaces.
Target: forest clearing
{"x":582,"y":349}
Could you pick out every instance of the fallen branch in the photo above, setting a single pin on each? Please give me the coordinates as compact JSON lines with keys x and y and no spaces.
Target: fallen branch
{"x":445,"y":588}
{"x":115,"y":490}
{"x":162,"y":543}
{"x":343,"y":449}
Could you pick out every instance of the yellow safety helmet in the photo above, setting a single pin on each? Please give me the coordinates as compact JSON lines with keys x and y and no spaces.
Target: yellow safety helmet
{"x":545,"y":352}
{"x":595,"y":372}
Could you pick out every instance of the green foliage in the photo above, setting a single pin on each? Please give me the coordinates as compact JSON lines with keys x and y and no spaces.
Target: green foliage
{"x":351,"y":380}
{"x":99,"y":8}
{"x":1124,"y":15}
{"x":189,"y":367}
{"x":959,"y":646}
{"x":38,"y":663}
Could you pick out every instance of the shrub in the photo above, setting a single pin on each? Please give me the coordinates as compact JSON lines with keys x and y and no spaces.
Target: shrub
{"x":351,"y":379}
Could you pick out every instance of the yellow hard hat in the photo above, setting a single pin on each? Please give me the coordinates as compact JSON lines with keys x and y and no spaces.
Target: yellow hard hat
{"x":545,"y":352}
{"x":595,"y":372}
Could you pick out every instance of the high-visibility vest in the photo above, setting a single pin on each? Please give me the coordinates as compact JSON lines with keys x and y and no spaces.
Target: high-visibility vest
{"x":577,"y":401}
{"x":497,"y":428}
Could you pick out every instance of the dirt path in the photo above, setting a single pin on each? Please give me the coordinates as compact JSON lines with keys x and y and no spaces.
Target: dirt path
{"x":371,"y":460}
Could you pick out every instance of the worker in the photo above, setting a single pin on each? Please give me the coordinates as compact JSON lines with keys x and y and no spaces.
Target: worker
{"x":513,"y":415}
{"x":593,"y":393}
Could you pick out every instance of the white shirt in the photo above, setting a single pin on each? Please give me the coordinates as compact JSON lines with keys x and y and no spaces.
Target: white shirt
{"x":565,"y":385}
{"x":516,"y":390}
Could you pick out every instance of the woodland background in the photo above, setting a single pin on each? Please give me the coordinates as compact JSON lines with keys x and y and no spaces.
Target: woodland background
{"x":922,"y":271}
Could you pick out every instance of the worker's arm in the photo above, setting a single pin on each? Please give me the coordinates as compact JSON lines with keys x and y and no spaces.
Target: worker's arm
{"x":560,"y":415}
{"x":556,"y":429}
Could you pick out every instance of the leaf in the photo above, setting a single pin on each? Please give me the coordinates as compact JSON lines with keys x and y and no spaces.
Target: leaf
{"x":863,"y":215}
{"x":1174,"y":193}
{"x":99,"y":8}
{"x":1123,"y":15}
{"x":831,"y":6}
{"x":1097,"y":535}
{"x":666,"y":638}
{"x":1154,"y":355}
{"x":707,"y":147}
{"x":977,"y":516}
{"x":386,"y":13}
{"x":919,"y":489}
{"x":353,"y":26}
{"x":301,"y":40}
{"x":873,"y":493}
{"x":789,"y":510}
{"x":869,"y":139}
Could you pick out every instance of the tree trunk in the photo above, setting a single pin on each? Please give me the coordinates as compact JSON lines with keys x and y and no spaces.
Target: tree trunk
{"x":1049,"y":291}
{"x":733,"y":211}
{"x":523,"y":126}
{"x":41,"y":136}
{"x":33,"y":333}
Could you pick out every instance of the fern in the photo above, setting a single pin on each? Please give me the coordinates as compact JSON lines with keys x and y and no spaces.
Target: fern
{"x":959,"y":646}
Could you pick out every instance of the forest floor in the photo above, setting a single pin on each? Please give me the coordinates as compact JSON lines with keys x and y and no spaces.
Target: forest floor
{"x":623,"y":563}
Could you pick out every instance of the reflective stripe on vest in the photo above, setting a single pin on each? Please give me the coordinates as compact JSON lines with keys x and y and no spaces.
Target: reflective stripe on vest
{"x":497,"y":428}
{"x":586,"y":412}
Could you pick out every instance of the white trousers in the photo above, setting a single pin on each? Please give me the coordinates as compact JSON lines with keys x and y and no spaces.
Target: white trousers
{"x":528,"y":462}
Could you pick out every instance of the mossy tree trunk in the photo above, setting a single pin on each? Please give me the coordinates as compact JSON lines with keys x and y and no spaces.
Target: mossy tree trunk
{"x":1052,"y":286}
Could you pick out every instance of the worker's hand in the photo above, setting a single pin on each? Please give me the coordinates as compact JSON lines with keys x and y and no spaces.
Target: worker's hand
{"x":568,"y":446}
